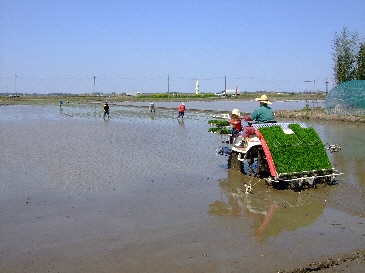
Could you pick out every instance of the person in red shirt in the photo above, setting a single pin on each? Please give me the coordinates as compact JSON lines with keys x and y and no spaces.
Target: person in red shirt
{"x":181,"y":110}
{"x":236,"y":122}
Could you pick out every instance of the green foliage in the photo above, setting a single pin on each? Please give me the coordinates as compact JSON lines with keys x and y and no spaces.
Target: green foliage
{"x":361,"y":62}
{"x":219,"y":130}
{"x":172,"y":95}
{"x":205,"y":95}
{"x":300,"y":152}
{"x":217,"y":122}
{"x":348,"y":57}
{"x":157,"y":96}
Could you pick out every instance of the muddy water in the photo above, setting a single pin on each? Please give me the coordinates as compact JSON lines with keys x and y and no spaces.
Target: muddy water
{"x":144,"y":192}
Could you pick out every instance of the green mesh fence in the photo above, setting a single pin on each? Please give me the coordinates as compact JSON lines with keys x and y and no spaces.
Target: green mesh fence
{"x":347,"y":98}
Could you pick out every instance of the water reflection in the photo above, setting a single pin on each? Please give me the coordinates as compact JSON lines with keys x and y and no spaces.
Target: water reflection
{"x":350,"y":160}
{"x":181,"y":123}
{"x":271,"y":211}
{"x":95,"y":109}
{"x":152,"y":116}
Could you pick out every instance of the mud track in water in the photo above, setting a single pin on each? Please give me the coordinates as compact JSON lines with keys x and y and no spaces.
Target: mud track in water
{"x":351,"y":262}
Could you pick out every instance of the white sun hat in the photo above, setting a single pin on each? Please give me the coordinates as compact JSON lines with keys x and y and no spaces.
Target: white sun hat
{"x":236,"y":112}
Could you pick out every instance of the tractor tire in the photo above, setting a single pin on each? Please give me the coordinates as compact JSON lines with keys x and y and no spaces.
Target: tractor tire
{"x":233,"y":162}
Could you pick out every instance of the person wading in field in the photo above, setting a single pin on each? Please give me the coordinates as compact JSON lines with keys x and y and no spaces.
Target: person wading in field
{"x":181,"y":110}
{"x":106,"y":109}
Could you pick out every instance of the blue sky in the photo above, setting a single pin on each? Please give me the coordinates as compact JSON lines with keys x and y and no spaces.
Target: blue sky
{"x":135,"y":45}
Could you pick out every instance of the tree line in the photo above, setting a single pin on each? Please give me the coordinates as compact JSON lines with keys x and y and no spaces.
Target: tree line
{"x":348,"y":56}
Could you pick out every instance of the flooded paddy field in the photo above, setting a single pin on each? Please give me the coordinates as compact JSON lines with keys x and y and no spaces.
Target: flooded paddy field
{"x":145,"y":192}
{"x":228,"y":105}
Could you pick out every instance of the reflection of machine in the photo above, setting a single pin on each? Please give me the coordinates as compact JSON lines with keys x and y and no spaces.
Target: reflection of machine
{"x":271,"y":211}
{"x":284,"y":154}
{"x":151,"y":108}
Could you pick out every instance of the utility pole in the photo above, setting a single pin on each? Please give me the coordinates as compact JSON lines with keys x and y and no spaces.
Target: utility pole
{"x":326,"y":87}
{"x":94,"y":84}
{"x":168,"y":85}
{"x":225,"y":84}
{"x":16,"y":92}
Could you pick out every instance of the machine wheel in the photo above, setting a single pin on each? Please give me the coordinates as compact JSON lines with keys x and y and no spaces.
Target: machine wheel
{"x":233,"y":162}
{"x":257,"y":163}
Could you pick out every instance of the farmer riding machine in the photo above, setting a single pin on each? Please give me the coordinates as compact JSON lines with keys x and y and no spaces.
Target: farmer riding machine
{"x":286,"y":155}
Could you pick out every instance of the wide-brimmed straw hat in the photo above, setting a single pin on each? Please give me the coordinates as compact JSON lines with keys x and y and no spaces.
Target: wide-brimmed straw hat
{"x":263,"y":99}
{"x":236,"y":112}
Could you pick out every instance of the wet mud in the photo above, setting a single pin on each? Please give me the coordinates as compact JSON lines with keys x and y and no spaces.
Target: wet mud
{"x":318,"y":114}
{"x":351,"y":262}
{"x":143,"y":191}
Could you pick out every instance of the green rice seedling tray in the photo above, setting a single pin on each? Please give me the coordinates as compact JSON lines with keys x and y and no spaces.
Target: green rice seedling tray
{"x":220,"y":131}
{"x":298,"y":152}
{"x":218,"y":123}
